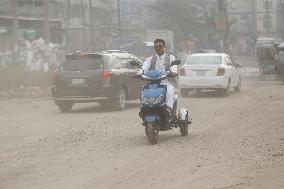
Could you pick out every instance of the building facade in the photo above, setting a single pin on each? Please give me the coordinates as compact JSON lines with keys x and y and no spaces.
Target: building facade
{"x":73,"y":29}
{"x":30,"y":15}
{"x":251,"y":19}
{"x":90,"y":29}
{"x":280,"y":19}
{"x":133,"y":21}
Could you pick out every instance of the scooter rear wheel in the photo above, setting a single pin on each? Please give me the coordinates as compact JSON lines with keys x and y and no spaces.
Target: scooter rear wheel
{"x":152,"y":133}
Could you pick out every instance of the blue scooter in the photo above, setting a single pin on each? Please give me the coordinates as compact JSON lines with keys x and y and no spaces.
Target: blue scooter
{"x":154,"y":111}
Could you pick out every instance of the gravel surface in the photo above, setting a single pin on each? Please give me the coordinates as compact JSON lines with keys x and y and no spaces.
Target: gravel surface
{"x":234,"y":142}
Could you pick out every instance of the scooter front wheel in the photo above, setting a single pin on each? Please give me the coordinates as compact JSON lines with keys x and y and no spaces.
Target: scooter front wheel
{"x":152,"y":133}
{"x":183,"y":128}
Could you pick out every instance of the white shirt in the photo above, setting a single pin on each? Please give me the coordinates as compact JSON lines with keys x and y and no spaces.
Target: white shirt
{"x":160,"y":63}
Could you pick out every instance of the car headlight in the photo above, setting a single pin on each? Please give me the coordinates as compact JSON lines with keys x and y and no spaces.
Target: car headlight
{"x":152,"y":101}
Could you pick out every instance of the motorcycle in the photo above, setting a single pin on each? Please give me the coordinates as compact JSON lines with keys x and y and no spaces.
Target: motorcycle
{"x":153,"y":109}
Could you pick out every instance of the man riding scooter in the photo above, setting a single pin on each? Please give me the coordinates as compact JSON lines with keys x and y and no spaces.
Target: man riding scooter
{"x":162,"y":61}
{"x":158,"y":108}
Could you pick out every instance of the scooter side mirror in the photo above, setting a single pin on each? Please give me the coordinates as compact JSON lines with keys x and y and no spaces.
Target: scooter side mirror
{"x":175,"y":62}
{"x":134,"y":63}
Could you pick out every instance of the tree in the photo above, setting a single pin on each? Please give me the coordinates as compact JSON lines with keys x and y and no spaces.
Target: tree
{"x":184,"y":17}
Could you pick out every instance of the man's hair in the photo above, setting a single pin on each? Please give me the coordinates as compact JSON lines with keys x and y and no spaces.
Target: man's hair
{"x":161,"y":41}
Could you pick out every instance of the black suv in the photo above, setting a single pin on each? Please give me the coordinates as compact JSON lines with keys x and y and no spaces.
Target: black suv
{"x":104,"y":77}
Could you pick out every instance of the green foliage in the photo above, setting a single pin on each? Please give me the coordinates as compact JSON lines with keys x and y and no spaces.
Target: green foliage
{"x":184,"y":17}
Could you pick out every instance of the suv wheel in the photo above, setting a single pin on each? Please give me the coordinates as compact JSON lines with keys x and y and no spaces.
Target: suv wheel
{"x":120,"y":100}
{"x":64,"y":106}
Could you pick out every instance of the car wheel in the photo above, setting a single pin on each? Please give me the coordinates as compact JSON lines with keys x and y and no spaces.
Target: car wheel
{"x":184,"y":92}
{"x":120,"y":100}
{"x":238,"y":88}
{"x":65,"y":106}
{"x":227,"y":91}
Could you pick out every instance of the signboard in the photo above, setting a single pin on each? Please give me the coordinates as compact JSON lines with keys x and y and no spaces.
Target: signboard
{"x":221,"y":23}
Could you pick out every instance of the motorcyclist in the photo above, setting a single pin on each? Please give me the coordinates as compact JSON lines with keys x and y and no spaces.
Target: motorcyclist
{"x":161,"y":61}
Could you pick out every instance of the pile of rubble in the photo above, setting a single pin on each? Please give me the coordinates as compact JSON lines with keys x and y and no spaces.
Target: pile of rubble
{"x":35,"y":55}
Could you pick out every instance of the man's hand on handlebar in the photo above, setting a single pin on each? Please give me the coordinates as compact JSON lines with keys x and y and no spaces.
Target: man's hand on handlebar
{"x":138,"y":76}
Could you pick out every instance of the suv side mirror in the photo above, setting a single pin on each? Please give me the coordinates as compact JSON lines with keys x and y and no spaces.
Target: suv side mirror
{"x":175,"y":62}
{"x":134,"y":63}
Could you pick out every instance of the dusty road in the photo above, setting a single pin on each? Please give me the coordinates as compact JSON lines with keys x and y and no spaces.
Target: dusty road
{"x":235,"y":142}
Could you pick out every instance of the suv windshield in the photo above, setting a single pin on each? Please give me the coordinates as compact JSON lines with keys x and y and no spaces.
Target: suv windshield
{"x":83,"y":64}
{"x":204,"y":60}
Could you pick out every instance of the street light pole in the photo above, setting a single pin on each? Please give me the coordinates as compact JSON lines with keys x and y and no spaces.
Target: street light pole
{"x":119,"y":18}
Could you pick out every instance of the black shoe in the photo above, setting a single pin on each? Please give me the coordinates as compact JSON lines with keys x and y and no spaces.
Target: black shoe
{"x":141,"y":114}
{"x":169,"y":110}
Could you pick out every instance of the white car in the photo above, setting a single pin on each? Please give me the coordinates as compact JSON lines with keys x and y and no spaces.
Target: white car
{"x":209,"y":71}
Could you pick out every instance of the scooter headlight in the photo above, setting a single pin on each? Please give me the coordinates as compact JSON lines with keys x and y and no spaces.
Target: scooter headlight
{"x":152,"y":101}
{"x":158,"y":100}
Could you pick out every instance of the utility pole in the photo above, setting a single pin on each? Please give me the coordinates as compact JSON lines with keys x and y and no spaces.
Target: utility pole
{"x":267,"y":17}
{"x":119,"y":18}
{"x":91,"y":24}
{"x":15,"y":29}
{"x":110,"y":23}
{"x":68,"y":26}
{"x":46,"y":22}
{"x":254,"y":25}
{"x":223,"y":23}
{"x":83,"y":24}
{"x":227,"y":42}
{"x":46,"y":29}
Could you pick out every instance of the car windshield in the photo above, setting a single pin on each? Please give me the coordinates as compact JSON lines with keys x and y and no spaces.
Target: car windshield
{"x":204,"y":60}
{"x":83,"y":64}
